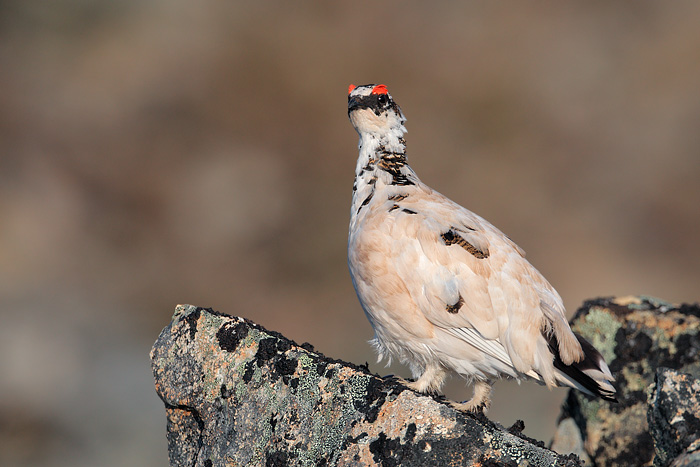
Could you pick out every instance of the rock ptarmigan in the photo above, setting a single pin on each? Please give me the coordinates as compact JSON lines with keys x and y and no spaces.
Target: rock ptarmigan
{"x":446,"y":291}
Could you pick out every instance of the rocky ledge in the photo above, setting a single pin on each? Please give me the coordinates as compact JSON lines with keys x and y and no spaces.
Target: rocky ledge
{"x":653,"y":349}
{"x":238,"y":394}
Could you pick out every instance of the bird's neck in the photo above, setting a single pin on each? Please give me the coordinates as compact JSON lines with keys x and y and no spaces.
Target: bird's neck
{"x":382,"y":162}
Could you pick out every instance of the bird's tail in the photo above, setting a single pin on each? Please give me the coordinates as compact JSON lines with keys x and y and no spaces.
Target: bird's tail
{"x":590,"y":375}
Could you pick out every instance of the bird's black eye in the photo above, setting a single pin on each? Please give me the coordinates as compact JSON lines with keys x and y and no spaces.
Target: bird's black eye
{"x":382,"y":99}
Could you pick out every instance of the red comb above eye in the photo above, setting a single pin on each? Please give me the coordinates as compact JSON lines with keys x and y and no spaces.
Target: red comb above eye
{"x":380,"y":89}
{"x":350,"y":88}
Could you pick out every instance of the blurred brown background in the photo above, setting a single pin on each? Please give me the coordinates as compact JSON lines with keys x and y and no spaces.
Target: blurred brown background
{"x":163,"y":152}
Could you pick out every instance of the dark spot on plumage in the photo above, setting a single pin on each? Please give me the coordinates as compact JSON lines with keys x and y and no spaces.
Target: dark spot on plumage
{"x":366,"y":201}
{"x":456,"y":306}
{"x":401,"y":180}
{"x":398,"y":197}
{"x":369,"y":167}
{"x":451,"y":237}
{"x":392,"y":163}
{"x":394,"y":207}
{"x":408,"y":211}
{"x":392,"y":157}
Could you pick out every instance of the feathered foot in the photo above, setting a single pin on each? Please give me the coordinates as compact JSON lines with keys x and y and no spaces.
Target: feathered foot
{"x":480,"y":402}
{"x":429,"y":382}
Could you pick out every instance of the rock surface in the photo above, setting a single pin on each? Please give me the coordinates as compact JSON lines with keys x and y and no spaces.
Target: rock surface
{"x":674,"y":415}
{"x":654,"y":352}
{"x":237,"y":394}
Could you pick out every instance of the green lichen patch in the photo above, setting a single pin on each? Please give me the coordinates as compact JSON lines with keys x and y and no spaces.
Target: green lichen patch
{"x":599,"y":327}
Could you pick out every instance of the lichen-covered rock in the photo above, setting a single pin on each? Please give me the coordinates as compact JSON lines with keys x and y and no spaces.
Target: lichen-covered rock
{"x":636,"y":335}
{"x":689,"y":458}
{"x":237,"y":394}
{"x":567,"y":439}
{"x":674,"y":415}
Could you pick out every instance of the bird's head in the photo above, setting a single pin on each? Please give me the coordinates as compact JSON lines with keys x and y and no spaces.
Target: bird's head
{"x":372,"y":110}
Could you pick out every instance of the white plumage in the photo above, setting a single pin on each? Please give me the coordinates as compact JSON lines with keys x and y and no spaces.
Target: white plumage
{"x":446,"y":291}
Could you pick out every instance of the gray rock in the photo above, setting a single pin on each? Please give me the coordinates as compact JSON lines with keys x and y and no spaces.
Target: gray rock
{"x":567,"y":439}
{"x":237,"y":394}
{"x":674,"y":415}
{"x":637,"y":336}
{"x":690,"y":458}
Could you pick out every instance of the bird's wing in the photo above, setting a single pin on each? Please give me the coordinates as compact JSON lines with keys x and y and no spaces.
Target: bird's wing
{"x":491,"y":347}
{"x":469,"y":278}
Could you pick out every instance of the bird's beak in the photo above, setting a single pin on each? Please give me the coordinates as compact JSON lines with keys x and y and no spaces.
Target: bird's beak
{"x":353,"y":103}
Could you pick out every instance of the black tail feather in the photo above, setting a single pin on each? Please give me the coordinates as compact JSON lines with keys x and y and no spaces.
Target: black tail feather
{"x":591,"y":361}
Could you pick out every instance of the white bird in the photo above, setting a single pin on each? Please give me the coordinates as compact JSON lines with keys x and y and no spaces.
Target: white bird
{"x":446,"y":291}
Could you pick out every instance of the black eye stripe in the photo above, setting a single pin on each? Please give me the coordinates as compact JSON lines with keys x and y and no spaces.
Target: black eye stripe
{"x":376,"y":102}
